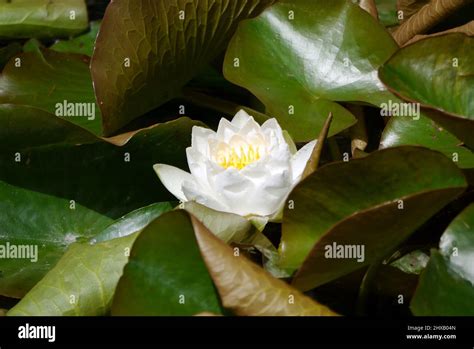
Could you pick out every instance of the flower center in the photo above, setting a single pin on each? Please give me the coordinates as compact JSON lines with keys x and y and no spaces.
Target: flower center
{"x":239,"y":157}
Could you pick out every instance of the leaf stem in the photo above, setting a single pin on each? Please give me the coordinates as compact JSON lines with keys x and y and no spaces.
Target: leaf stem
{"x":366,"y":288}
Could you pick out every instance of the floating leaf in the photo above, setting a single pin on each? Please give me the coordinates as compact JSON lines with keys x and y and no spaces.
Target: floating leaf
{"x":42,"y":18}
{"x":44,"y":223}
{"x":425,"y":132}
{"x":147,"y":51}
{"x":88,"y":273}
{"x":446,"y":287}
{"x":373,"y":203}
{"x":133,"y":222}
{"x":66,"y":86}
{"x":23,"y":127}
{"x":438,"y":73}
{"x":166,"y":274}
{"x":299,"y":57}
{"x":81,"y":284}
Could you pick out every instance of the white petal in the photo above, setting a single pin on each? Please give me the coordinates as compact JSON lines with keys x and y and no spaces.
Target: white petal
{"x":277,"y":185}
{"x":250,"y":127}
{"x":235,"y":190}
{"x":196,"y":163}
{"x":193,"y":192}
{"x":226,"y":130}
{"x":252,"y":191}
{"x":300,"y":159}
{"x":200,"y":139}
{"x":268,"y":198}
{"x":271,"y":124}
{"x":273,"y":133}
{"x":290,"y":142}
{"x":241,"y":118}
{"x":173,"y":179}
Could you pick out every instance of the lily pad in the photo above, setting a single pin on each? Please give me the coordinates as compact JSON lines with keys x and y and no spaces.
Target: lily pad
{"x":46,"y":225}
{"x":66,"y":86}
{"x":438,"y":73}
{"x":425,"y":132}
{"x":373,"y":203}
{"x":166,"y":274}
{"x":42,"y":18}
{"x":301,"y":56}
{"x":23,"y":127}
{"x":446,"y":287}
{"x":84,"y":280}
{"x":81,"y":284}
{"x":147,"y":51}
{"x":133,"y":222}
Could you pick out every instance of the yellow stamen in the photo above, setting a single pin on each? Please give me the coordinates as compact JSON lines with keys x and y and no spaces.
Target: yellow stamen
{"x":240,"y":159}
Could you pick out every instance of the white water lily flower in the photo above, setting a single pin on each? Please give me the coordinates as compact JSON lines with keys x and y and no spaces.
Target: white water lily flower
{"x":243,"y":168}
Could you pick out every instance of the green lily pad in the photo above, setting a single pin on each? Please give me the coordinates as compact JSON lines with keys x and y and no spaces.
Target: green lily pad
{"x":83,"y":44}
{"x":89,"y":272}
{"x":147,"y":51}
{"x":23,"y":127}
{"x":425,"y":132}
{"x":373,"y":203}
{"x":81,"y":284}
{"x":101,"y":181}
{"x":438,"y":73}
{"x":446,"y":287}
{"x":44,"y":223}
{"x":55,"y":82}
{"x":133,"y":222}
{"x":301,"y":56}
{"x":166,"y":274}
{"x":42,"y":18}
